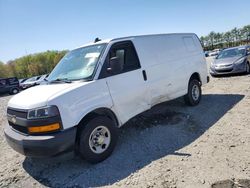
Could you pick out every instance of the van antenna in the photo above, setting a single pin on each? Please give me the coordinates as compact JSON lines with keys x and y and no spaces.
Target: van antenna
{"x":97,"y":40}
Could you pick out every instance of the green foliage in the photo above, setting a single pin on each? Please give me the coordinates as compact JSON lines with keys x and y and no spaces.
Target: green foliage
{"x":235,"y":37}
{"x":31,"y":65}
{"x":2,"y":70}
{"x":43,"y":63}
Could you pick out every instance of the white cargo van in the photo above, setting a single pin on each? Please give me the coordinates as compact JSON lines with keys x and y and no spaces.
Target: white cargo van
{"x":98,"y":87}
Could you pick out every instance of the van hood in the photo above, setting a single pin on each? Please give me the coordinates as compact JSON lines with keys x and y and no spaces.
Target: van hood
{"x":38,"y":96}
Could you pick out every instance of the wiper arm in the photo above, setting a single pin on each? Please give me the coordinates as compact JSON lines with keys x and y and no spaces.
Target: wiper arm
{"x":59,"y":80}
{"x":86,"y":79}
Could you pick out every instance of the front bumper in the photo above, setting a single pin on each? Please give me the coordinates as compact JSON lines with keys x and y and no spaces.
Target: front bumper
{"x":233,"y":69}
{"x":41,"y":145}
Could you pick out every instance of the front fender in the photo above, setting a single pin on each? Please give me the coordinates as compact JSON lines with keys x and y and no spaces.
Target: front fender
{"x":75,"y":103}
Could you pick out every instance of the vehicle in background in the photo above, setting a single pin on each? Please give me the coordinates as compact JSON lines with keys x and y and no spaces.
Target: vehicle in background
{"x":33,"y":81}
{"x":97,"y":88}
{"x":42,"y":79}
{"x":214,"y":52}
{"x":29,"y":82}
{"x":9,"y":85}
{"x":22,"y":80}
{"x":231,"y":60}
{"x":206,"y":53}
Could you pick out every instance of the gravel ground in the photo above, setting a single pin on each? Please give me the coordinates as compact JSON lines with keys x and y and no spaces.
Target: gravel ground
{"x":171,"y":145}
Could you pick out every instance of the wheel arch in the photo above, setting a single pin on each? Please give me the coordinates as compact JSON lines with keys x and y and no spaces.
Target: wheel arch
{"x":103,"y":111}
{"x":196,"y":76}
{"x":13,"y":88}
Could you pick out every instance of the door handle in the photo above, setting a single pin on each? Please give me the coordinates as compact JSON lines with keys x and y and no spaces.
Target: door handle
{"x":144,"y":75}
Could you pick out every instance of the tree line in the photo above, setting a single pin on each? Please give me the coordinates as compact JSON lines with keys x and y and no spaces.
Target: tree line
{"x":31,"y":65}
{"x":234,"y":37}
{"x":43,"y":63}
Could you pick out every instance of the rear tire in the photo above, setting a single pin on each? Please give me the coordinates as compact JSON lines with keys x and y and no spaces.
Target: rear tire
{"x":193,"y":97}
{"x":97,"y":139}
{"x":14,"y":91}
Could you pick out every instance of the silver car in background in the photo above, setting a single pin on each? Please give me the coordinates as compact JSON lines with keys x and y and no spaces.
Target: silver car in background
{"x":33,"y":81}
{"x":231,"y":60}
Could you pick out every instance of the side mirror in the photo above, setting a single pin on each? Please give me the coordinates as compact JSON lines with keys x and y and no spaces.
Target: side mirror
{"x":115,"y":65}
{"x":248,"y":52}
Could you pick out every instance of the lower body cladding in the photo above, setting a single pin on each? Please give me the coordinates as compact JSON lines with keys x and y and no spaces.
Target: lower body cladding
{"x":41,"y":145}
{"x":228,"y":69}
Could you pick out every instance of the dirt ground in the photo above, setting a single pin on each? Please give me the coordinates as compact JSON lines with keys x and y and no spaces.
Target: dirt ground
{"x":171,"y":145}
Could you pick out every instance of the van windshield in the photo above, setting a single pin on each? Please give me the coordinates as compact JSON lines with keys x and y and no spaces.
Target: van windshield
{"x":77,"y":64}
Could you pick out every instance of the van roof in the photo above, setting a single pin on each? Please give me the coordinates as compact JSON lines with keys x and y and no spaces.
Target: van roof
{"x":130,"y":37}
{"x":149,"y":35}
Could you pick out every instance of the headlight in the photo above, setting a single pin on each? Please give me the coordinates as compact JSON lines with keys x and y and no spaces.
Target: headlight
{"x":44,"y":112}
{"x":241,"y":60}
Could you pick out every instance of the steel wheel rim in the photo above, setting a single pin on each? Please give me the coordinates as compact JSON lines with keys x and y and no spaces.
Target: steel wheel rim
{"x":15,"y":91}
{"x":99,"y":139}
{"x":195,"y":92}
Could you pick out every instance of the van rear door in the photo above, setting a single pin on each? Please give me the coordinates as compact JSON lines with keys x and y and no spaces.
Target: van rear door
{"x":128,"y":88}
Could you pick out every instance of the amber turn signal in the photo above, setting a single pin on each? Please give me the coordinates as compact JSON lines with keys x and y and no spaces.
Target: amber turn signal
{"x":44,"y":128}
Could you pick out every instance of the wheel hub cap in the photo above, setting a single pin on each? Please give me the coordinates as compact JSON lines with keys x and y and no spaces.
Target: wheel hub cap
{"x":195,"y":92}
{"x":99,"y":139}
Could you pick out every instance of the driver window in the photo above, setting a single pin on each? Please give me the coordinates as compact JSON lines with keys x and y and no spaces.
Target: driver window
{"x":121,"y":55}
{"x":126,"y":53}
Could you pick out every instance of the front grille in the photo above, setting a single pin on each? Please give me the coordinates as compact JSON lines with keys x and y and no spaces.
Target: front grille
{"x":17,"y":113}
{"x":19,"y":128}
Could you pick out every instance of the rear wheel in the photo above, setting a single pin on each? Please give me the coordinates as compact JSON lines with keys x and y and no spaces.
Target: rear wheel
{"x":97,"y":139}
{"x":193,"y":96}
{"x":14,"y":91}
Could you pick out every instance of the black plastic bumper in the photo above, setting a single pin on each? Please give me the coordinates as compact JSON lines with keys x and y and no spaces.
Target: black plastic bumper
{"x":41,"y":146}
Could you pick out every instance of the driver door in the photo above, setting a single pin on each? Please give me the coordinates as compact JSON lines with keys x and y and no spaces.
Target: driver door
{"x":128,"y":88}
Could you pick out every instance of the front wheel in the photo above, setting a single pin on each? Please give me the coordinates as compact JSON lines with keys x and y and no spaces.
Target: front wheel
{"x":97,"y":139}
{"x":193,"y":96}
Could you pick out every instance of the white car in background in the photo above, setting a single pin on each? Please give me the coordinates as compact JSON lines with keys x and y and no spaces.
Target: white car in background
{"x":36,"y":80}
{"x":215,"y":52}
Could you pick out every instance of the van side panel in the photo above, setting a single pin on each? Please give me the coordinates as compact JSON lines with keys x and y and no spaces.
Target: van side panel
{"x":169,"y":61}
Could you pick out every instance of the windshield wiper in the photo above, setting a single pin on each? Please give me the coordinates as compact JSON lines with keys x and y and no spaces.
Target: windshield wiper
{"x":60,"y":80}
{"x":85,"y":79}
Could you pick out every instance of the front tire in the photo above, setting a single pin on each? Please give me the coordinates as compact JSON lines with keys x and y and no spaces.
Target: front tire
{"x":97,"y":139}
{"x":193,"y":97}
